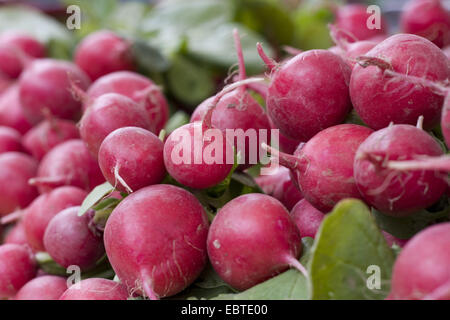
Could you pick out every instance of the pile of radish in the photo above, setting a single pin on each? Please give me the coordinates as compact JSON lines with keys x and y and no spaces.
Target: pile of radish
{"x":70,"y":129}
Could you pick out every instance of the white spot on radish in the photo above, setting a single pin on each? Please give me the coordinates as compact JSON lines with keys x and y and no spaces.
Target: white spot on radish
{"x":216,"y":244}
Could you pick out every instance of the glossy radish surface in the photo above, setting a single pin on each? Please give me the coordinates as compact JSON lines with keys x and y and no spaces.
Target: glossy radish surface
{"x":11,"y":112}
{"x":307,"y":218}
{"x":96,"y":289}
{"x":132,"y":158}
{"x":155,"y":240}
{"x":28,"y":44}
{"x":10,"y":140}
{"x":43,"y":288}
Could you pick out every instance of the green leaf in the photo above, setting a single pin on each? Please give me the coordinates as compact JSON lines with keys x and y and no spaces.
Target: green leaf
{"x":289,"y":285}
{"x":148,"y":57}
{"x":34,"y":23}
{"x":347,"y":243}
{"x":179,"y":119}
{"x":95,"y":196}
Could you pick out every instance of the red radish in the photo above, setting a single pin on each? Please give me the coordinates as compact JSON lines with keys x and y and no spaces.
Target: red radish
{"x":45,"y":89}
{"x":11,"y":113}
{"x":4,"y":83}
{"x":24,"y":42}
{"x":137,"y":87}
{"x":15,"y":193}
{"x":73,"y":240}
{"x":47,"y":135}
{"x":43,"y":288}
{"x":68,"y":164}
{"x":96,"y":289}
{"x":12,"y":61}
{"x":446,"y":51}
{"x":10,"y":140}
{"x":280,"y":186}
{"x":398,"y":100}
{"x":298,"y":102}
{"x":17,"y":267}
{"x":237,"y":110}
{"x":421,"y":270}
{"x":103,"y":52}
{"x":155,"y":240}
{"x":307,"y":218}
{"x":427,"y":18}
{"x":17,"y":235}
{"x":251,"y":239}
{"x":324,"y":165}
{"x":391,"y":240}
{"x":391,"y":190}
{"x":287,"y":145}
{"x":38,"y":215}
{"x":445,"y":120}
{"x":354,"y":19}
{"x":107,"y":113}
{"x":132,"y":158}
{"x":197,"y":156}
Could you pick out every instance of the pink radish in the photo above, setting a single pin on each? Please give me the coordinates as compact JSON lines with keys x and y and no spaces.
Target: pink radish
{"x":279,"y":185}
{"x":107,"y":113}
{"x":155,"y":240}
{"x":96,"y":289}
{"x":12,"y":61}
{"x":137,"y":87}
{"x":43,"y":288}
{"x":307,"y":218}
{"x":427,"y":18}
{"x":298,"y":102}
{"x":324,"y":165}
{"x":253,"y":238}
{"x":103,"y":52}
{"x":132,"y":158}
{"x":388,"y":188}
{"x":421,"y":270}
{"x":354,"y":19}
{"x":238,"y":110}
{"x":68,"y":164}
{"x":73,"y":240}
{"x":10,"y":140}
{"x":38,"y":215}
{"x":11,"y":113}
{"x":197,"y":156}
{"x":397,"y":100}
{"x":15,"y":192}
{"x":17,"y":267}
{"x":17,"y":235}
{"x":47,"y":135}
{"x":24,"y":42}
{"x":45,"y":89}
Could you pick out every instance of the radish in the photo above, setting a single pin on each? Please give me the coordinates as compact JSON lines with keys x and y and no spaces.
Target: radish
{"x":388,"y":188}
{"x":17,"y":267}
{"x":237,"y":110}
{"x":15,"y":193}
{"x":251,"y":239}
{"x":107,"y":113}
{"x":16,"y":235}
{"x":12,"y":61}
{"x":38,"y":215}
{"x":197,"y":156}
{"x":11,"y":113}
{"x":307,"y":218}
{"x":45,"y":89}
{"x":10,"y":140}
{"x":137,"y":87}
{"x":103,"y":52}
{"x":155,"y":240}
{"x":68,"y":164}
{"x":446,"y":51}
{"x":4,"y":83}
{"x":96,"y":289}
{"x":397,"y":100}
{"x":279,"y":185}
{"x":73,"y":240}
{"x":354,"y":19}
{"x":47,"y":135}
{"x":24,"y":42}
{"x":132,"y":158}
{"x":427,"y":18}
{"x":298,"y":102}
{"x":421,"y":270}
{"x":43,"y":288}
{"x":323,"y":167}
